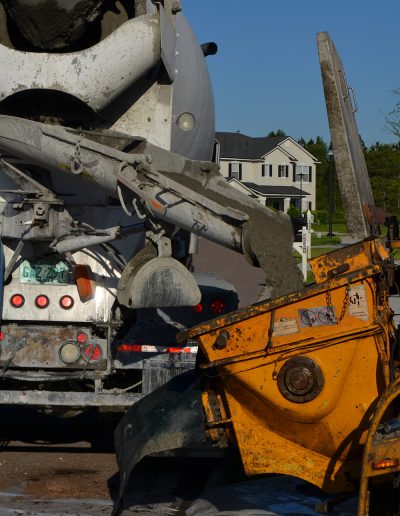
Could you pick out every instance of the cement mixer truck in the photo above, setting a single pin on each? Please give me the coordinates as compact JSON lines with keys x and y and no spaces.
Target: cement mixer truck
{"x":106,"y":144}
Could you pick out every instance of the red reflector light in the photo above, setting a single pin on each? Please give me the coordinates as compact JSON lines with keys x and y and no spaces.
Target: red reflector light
{"x":42,"y":301}
{"x":126,"y":348}
{"x":17,"y":300}
{"x":92,"y":353}
{"x":217,"y":306}
{"x":385,"y":463}
{"x":66,"y":302}
{"x":198,"y":308}
{"x":81,"y":337}
{"x":2,"y":335}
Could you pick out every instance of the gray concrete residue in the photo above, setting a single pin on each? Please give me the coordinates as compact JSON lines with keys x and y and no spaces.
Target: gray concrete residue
{"x":51,"y":24}
{"x":267,"y":237}
{"x":57,"y":24}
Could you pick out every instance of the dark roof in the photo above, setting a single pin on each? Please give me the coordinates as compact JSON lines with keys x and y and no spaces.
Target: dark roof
{"x":287,"y":191}
{"x":240,"y":146}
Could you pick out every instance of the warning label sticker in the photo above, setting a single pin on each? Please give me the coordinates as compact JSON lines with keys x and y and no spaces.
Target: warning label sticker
{"x":285,"y":326}
{"x":358,"y":306}
{"x":320,"y":316}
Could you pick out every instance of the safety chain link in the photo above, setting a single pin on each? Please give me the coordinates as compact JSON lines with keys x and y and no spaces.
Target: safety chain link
{"x":346,"y":302}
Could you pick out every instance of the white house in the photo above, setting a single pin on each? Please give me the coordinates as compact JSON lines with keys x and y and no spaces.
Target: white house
{"x":277,"y":171}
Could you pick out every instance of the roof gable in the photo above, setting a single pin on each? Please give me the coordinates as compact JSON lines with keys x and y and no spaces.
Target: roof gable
{"x":241,"y":146}
{"x":299,"y":147}
{"x":240,"y":186}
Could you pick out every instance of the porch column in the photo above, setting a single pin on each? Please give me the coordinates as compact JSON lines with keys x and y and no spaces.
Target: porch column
{"x":286,"y":204}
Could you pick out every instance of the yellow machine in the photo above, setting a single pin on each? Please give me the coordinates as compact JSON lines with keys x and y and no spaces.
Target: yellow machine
{"x":296,"y":381}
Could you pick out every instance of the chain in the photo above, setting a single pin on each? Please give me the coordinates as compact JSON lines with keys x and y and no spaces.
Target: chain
{"x":346,"y":302}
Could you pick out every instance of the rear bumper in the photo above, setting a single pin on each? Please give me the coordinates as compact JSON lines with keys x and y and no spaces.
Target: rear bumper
{"x":68,"y":399}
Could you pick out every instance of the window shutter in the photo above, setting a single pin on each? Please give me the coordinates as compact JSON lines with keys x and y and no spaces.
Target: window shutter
{"x":294,"y":172}
{"x":240,"y":171}
{"x":309,"y":174}
{"x":263,"y":170}
{"x":270,"y":170}
{"x":230,"y":170}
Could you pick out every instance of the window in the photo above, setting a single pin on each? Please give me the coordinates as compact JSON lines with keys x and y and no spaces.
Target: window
{"x":283,"y":170}
{"x":266,"y":170}
{"x":235,"y":170}
{"x":302,"y":174}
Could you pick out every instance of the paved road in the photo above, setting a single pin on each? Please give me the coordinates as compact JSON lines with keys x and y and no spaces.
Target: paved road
{"x":232,"y":267}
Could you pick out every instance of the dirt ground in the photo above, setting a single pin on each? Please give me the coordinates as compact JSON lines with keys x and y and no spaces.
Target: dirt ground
{"x":45,"y":456}
{"x":67,"y":466}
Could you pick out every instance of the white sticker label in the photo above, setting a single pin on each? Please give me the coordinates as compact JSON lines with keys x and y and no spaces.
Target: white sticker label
{"x":285,"y":327}
{"x":358,"y":306}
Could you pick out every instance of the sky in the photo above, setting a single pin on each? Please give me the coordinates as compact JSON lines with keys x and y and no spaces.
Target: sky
{"x":266,"y":74}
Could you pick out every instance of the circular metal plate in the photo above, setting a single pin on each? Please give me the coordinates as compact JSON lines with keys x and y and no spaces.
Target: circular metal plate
{"x":300,"y":379}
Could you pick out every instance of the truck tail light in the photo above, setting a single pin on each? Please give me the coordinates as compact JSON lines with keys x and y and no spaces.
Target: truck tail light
{"x":128,"y":348}
{"x":17,"y":300}
{"x":92,"y":353}
{"x":2,"y":335}
{"x":85,"y":282}
{"x":217,"y":307}
{"x":198,"y":308}
{"x":82,"y":337}
{"x":66,"y":302}
{"x":42,"y":301}
{"x":69,"y":353}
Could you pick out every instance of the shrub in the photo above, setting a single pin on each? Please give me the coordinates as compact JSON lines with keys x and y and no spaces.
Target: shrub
{"x":320,"y":217}
{"x":339,"y":218}
{"x":294,"y":212}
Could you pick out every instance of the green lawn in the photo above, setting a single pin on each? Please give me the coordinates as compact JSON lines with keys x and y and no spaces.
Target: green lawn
{"x":315,"y":251}
{"x":325,"y":240}
{"x":336,"y":228}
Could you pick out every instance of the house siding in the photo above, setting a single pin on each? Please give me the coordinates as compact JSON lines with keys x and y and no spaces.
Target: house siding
{"x":288,"y":153}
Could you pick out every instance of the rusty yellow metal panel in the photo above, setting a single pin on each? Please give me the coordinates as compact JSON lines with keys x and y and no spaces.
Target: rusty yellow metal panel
{"x":319,"y":437}
{"x":301,"y":375}
{"x":348,"y":259}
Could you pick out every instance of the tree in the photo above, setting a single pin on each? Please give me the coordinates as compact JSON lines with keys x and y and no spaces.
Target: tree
{"x":393,"y":118}
{"x":383,"y":163}
{"x":274,"y":134}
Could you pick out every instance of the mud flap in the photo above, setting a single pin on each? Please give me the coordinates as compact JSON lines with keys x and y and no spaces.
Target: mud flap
{"x":160,"y":282}
{"x":170,"y":417}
